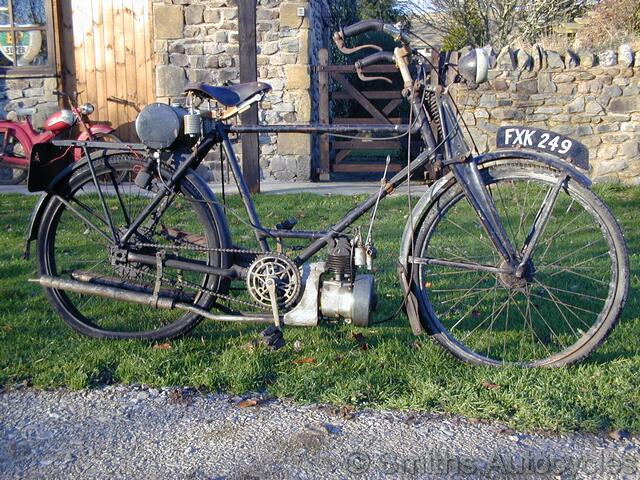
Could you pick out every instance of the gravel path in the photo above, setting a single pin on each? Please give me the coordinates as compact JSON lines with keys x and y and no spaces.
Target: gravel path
{"x":133,"y":432}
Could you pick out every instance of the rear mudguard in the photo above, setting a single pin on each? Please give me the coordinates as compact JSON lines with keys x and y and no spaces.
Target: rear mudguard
{"x":425,"y":203}
{"x":61,"y":181}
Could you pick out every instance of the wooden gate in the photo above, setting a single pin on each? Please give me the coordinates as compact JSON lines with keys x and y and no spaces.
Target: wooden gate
{"x":346,"y":156}
{"x":107,"y":52}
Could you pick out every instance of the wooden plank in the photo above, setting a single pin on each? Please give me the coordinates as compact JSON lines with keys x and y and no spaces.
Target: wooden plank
{"x":367,"y":145}
{"x":365,"y":167}
{"x":323,"y":113}
{"x":149,"y":52}
{"x":131,"y":73}
{"x":139,"y":41}
{"x":352,"y":69}
{"x":68,"y":34}
{"x":249,"y":73}
{"x":85,"y":64}
{"x":102,"y":113}
{"x":120,"y":66}
{"x":109,"y":46}
{"x":435,"y":60}
{"x":371,"y":95}
{"x":452,"y":59}
{"x":391,"y":106}
{"x":365,"y":121}
{"x":360,"y":98}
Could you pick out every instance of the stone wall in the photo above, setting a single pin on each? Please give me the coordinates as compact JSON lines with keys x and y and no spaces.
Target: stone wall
{"x":17,"y":93}
{"x":594,"y":98}
{"x":197,"y":40}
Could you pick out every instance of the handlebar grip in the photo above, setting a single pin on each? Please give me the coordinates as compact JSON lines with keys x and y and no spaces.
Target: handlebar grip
{"x":361,"y":27}
{"x":378,"y":57}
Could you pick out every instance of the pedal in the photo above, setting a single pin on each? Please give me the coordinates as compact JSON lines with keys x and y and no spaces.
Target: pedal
{"x":272,"y":337}
{"x":288,"y":224}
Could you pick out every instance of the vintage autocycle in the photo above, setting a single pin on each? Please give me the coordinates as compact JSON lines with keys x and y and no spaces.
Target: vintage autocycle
{"x":509,"y":258}
{"x":18,"y":137}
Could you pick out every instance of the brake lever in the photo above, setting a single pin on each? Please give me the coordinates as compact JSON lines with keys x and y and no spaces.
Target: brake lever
{"x":339,"y":41}
{"x":364,"y":78}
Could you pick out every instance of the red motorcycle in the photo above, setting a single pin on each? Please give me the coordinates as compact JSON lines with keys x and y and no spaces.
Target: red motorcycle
{"x":17,"y":138}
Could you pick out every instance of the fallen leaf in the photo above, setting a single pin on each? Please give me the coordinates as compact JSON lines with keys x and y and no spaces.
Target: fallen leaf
{"x":7,"y":328}
{"x":300,"y":361}
{"x":619,"y":435}
{"x":358,"y":337}
{"x":347,"y":412}
{"x":179,"y":397}
{"x":162,"y":346}
{"x":490,"y":386}
{"x":428,"y":284}
{"x":363,"y":346}
{"x":250,"y":402}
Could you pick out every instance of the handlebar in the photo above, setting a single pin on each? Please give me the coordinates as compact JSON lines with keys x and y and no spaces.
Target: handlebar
{"x":362,"y":27}
{"x":378,"y":57}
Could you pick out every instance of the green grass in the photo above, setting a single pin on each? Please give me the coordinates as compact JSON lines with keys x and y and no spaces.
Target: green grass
{"x":394,"y":372}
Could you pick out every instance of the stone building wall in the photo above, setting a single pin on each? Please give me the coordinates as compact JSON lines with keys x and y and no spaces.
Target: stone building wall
{"x":18,"y":93}
{"x":197,"y":41}
{"x":592,"y":98}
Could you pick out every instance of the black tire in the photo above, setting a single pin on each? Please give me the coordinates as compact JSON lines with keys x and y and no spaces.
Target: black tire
{"x":67,"y":247}
{"x":599,"y":278}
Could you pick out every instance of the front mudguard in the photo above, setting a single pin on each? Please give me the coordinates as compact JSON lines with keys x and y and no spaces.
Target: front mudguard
{"x":59,"y":186}
{"x":427,"y":200}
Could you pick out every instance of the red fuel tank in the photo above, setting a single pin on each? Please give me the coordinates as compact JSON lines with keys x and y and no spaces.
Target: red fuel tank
{"x":60,"y":121}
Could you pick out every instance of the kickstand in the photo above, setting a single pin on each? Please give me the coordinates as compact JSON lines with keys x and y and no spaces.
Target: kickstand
{"x":272,"y":336}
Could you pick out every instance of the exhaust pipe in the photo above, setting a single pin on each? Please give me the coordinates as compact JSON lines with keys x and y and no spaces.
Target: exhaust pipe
{"x":104,"y":291}
{"x":141,"y":298}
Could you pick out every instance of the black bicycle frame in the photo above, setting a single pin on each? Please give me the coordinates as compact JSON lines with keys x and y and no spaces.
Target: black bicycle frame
{"x":457,"y":155}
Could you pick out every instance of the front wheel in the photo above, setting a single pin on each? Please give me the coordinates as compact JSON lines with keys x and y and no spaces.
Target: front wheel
{"x":573,"y":290}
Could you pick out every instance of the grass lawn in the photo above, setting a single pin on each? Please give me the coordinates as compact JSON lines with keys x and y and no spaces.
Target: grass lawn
{"x":396,"y":371}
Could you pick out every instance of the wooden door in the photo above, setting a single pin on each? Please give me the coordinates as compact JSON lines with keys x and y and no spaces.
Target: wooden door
{"x":106,"y":48}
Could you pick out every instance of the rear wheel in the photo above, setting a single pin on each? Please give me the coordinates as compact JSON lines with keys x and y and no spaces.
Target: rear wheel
{"x":183,"y":225}
{"x":571,"y":295}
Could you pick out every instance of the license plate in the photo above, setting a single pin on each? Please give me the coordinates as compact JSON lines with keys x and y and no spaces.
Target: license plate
{"x":544,"y":141}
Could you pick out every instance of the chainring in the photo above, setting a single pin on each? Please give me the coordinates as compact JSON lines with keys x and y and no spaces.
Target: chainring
{"x":283,"y":271}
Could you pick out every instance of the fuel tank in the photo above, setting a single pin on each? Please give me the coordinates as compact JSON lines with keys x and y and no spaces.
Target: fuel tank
{"x":60,"y":121}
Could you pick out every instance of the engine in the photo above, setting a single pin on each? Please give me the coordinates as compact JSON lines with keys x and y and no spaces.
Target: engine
{"x":345,"y":294}
{"x":162,"y":126}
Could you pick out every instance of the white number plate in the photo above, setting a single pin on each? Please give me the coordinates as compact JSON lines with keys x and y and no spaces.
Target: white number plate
{"x":544,"y":141}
